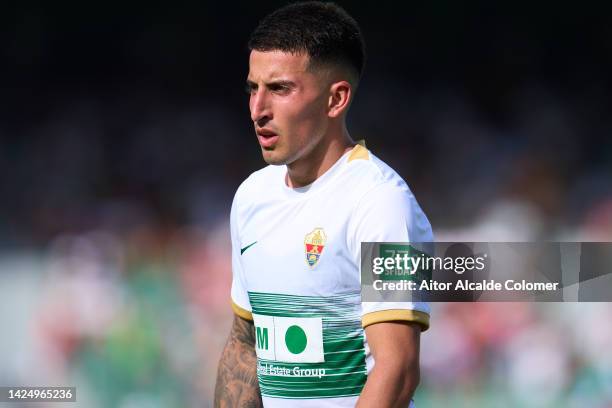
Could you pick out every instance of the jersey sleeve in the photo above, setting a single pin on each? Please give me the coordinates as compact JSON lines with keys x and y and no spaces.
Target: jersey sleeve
{"x":389,"y":213}
{"x":240,"y":297}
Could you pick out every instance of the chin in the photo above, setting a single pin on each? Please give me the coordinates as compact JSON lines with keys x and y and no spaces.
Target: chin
{"x":273,"y":158}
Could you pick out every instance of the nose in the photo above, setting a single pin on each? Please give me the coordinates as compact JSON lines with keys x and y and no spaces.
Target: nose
{"x":260,"y":107}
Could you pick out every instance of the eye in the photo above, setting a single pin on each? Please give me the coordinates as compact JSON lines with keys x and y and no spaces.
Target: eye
{"x":279,"y":88}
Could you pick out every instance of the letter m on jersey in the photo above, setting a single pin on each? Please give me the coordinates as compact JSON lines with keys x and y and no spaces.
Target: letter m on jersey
{"x":262,"y":337}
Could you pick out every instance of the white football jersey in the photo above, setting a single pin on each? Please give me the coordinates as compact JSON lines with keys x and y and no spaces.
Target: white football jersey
{"x":296,"y":274}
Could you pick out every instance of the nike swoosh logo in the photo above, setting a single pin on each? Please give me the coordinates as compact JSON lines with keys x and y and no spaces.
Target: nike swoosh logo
{"x":247,"y":247}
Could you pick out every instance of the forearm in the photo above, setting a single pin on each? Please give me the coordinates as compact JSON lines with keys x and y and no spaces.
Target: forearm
{"x":237,"y":384}
{"x":388,"y":387}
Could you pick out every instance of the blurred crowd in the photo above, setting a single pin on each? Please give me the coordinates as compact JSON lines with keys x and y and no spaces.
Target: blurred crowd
{"x":132,"y":321}
{"x":96,"y":163}
{"x":139,"y":320}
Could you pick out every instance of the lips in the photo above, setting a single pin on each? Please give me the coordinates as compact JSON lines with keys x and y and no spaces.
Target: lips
{"x":266,"y":138}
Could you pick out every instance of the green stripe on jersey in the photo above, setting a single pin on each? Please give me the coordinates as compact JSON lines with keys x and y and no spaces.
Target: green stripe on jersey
{"x":342,"y":371}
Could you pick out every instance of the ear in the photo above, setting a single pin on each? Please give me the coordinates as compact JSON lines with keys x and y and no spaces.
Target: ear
{"x":340,"y":96}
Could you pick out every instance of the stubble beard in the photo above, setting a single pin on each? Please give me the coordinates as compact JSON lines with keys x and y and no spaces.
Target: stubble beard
{"x":271,"y":158}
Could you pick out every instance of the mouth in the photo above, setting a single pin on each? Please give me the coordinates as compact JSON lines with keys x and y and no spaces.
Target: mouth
{"x":266,"y":138}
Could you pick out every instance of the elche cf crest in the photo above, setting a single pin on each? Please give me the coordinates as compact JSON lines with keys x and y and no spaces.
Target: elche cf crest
{"x":314,"y":243}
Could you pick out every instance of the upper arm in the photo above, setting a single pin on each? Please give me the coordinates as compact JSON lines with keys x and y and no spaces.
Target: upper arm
{"x":394,"y":341}
{"x":396,"y":346}
{"x":395,"y":375}
{"x":243,"y":331}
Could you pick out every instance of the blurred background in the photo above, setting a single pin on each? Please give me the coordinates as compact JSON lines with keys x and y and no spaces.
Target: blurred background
{"x":124,"y":132}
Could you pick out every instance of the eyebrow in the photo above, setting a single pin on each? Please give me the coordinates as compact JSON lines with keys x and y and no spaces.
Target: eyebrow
{"x":276,"y":83}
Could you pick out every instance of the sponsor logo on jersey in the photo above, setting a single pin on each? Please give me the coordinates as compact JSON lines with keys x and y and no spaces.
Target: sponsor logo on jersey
{"x":314,"y":243}
{"x":247,"y":247}
{"x":289,"y":339}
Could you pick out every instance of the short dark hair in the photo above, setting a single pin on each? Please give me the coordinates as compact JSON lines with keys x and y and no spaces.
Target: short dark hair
{"x":325,"y":31}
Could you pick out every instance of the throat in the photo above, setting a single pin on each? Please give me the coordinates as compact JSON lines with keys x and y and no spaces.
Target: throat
{"x":304,"y":172}
{"x":297,"y":180}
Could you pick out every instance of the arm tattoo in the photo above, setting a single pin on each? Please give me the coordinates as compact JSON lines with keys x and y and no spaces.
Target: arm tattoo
{"x":237,"y":384}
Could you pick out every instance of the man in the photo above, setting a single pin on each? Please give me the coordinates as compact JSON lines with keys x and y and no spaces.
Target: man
{"x":301,"y":336}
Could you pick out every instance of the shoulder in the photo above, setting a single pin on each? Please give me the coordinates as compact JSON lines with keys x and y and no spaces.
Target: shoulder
{"x":373,"y":174}
{"x":385,"y":199}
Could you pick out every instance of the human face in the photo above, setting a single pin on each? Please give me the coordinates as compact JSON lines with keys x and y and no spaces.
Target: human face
{"x":288,"y":105}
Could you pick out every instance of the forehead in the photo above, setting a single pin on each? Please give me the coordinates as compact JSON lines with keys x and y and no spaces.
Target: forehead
{"x":269,"y":65}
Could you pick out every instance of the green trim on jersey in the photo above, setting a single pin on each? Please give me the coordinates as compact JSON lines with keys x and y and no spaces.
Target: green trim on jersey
{"x":344,"y":371}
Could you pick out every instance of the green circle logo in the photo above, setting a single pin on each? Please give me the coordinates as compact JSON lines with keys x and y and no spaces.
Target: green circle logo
{"x":295,"y":339}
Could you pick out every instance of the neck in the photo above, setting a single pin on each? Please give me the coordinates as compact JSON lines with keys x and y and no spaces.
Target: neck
{"x":307,"y":169}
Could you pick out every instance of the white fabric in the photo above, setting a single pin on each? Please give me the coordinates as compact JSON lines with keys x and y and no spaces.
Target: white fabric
{"x":361,"y":200}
